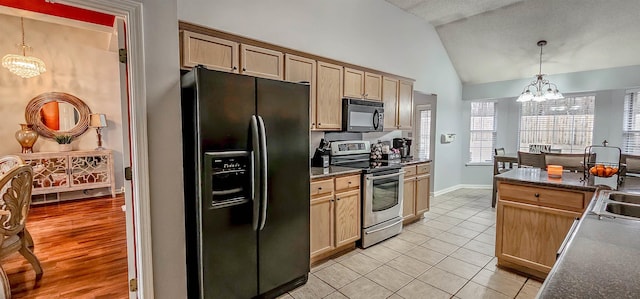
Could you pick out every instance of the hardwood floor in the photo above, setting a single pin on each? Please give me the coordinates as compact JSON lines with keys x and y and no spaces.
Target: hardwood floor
{"x":82,"y":248}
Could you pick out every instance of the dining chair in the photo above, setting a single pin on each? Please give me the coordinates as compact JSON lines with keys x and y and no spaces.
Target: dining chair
{"x":7,"y":163}
{"x":571,"y":162}
{"x":500,"y":164}
{"x":499,"y":151}
{"x":535,"y":160}
{"x":15,"y":199}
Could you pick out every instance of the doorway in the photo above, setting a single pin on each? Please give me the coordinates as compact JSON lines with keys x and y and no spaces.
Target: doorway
{"x":425,"y":127}
{"x":134,"y":153}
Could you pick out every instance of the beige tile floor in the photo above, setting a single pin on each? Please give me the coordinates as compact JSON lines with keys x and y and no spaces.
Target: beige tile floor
{"x":448,"y":254}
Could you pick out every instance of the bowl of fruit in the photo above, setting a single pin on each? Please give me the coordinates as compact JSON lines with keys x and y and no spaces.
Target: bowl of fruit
{"x":601,"y":170}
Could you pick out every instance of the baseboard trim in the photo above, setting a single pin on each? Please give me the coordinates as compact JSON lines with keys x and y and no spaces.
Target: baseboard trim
{"x":461,"y":186}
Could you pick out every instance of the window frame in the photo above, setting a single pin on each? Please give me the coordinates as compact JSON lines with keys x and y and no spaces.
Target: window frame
{"x":494,"y":133}
{"x":573,"y":95}
{"x":630,"y":120}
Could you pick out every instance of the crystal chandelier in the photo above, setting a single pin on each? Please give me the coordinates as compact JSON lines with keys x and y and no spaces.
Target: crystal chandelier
{"x":23,"y":65}
{"x":536,"y":91}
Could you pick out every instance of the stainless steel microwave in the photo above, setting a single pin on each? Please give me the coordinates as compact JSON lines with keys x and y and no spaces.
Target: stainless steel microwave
{"x":362,"y":115}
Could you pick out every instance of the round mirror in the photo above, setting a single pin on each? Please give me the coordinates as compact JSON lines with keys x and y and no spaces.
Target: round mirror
{"x":58,"y":113}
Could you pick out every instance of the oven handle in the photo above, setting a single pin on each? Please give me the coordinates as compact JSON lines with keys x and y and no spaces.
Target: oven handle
{"x":383,"y":228}
{"x":371,"y":177}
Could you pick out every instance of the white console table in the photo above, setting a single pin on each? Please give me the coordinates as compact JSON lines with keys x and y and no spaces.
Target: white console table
{"x":70,"y":171}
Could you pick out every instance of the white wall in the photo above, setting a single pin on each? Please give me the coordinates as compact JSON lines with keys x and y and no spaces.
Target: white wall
{"x":79,"y":63}
{"x":368,"y":33}
{"x":607,"y":85}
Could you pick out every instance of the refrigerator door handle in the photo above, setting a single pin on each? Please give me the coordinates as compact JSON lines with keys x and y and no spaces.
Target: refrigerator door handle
{"x":263,"y":172}
{"x":255,"y":175}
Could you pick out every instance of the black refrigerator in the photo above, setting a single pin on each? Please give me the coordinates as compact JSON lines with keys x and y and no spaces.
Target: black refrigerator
{"x":246,"y":184}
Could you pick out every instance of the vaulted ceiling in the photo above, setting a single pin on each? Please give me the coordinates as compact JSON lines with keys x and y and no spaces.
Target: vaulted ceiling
{"x":495,"y":40}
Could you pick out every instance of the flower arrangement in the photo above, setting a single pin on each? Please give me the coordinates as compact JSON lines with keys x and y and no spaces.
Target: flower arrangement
{"x":63,"y":139}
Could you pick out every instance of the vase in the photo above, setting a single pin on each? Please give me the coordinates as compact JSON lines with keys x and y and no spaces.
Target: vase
{"x":26,"y":136}
{"x":64,"y":147}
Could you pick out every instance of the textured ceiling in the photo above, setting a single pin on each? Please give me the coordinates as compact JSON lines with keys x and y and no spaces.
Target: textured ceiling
{"x":495,"y":40}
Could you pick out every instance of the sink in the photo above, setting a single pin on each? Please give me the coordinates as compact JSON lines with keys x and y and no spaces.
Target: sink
{"x":627,"y":198}
{"x":624,"y":210}
{"x":615,"y":204}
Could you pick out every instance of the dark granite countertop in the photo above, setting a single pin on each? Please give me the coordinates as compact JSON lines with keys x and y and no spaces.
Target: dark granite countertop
{"x":320,"y":172}
{"x":601,"y":260}
{"x":569,"y":180}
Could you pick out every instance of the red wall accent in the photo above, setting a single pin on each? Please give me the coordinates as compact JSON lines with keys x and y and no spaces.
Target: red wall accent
{"x":61,"y":10}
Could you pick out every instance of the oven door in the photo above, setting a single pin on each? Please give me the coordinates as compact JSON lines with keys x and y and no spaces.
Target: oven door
{"x":383,"y":194}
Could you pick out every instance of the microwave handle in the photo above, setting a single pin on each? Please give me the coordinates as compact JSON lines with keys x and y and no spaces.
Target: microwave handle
{"x":376,"y":120}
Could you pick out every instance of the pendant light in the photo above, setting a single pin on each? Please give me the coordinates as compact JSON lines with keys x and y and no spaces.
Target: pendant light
{"x":23,"y":65}
{"x":541,"y":89}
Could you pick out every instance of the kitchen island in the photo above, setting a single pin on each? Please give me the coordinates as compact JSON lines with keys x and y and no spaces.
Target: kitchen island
{"x":535,"y":213}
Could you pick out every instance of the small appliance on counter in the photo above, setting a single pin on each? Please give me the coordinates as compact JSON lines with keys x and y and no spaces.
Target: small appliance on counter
{"x":321,"y":155}
{"x":404,"y":146}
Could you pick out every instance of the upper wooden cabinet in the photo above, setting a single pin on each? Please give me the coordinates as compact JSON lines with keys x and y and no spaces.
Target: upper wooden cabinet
{"x":372,"y":86}
{"x":213,"y":53}
{"x":353,"y":83}
{"x":329,"y":97}
{"x":390,"y":88}
{"x":301,"y":69}
{"x":261,"y":62}
{"x":362,"y":85}
{"x":405,"y":105}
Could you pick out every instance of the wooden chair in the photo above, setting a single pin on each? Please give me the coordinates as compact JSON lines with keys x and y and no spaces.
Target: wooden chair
{"x":632,"y":163}
{"x":7,"y":163}
{"x":535,"y":160}
{"x":500,"y":164}
{"x":571,"y":162}
{"x":499,"y":151}
{"x":16,"y":200}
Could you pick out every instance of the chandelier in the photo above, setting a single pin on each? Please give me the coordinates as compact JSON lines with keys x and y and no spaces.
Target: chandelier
{"x":23,"y":65}
{"x":541,"y":89}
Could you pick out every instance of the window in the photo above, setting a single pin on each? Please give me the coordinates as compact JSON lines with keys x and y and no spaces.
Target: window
{"x":483,"y":132}
{"x":631,"y":125}
{"x":564,"y":125}
{"x":424,"y":131}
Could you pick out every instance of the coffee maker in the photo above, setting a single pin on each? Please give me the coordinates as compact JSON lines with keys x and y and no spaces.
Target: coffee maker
{"x":404,"y":145}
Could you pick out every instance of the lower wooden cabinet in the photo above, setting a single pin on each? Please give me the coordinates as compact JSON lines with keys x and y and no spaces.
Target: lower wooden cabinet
{"x":335,"y":215}
{"x":530,"y":227}
{"x":322,"y":225}
{"x":417,"y":182}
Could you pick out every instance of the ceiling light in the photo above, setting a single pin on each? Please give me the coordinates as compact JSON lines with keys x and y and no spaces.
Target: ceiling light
{"x":540,"y":93}
{"x":23,"y":65}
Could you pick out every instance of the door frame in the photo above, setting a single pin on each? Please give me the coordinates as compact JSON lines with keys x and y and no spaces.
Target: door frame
{"x":131,"y":12}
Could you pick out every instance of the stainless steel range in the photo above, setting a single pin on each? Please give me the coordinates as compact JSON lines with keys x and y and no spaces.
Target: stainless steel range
{"x":382,"y":190}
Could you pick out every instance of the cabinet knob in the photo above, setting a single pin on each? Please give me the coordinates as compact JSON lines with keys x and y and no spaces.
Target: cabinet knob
{"x":234,"y":68}
{"x":337,"y":198}
{"x":332,"y":200}
{"x":319,"y":124}
{"x":537,"y":195}
{"x":319,"y":188}
{"x":244,"y":69}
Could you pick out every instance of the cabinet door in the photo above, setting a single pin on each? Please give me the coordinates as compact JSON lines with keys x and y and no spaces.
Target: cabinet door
{"x":422,"y":194}
{"x":405,"y":106}
{"x":409,"y":198}
{"x":213,"y":53}
{"x":390,"y":98}
{"x":322,"y":225}
{"x":329,"y":97}
{"x":353,"y":83}
{"x":347,"y":217}
{"x":530,"y":235}
{"x":260,"y":62}
{"x":301,"y":69}
{"x":373,"y":86}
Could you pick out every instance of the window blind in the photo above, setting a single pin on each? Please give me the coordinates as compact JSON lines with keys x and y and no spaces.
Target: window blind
{"x":424,"y":133}
{"x":631,"y":124}
{"x":564,"y":124}
{"x":482,"y":132}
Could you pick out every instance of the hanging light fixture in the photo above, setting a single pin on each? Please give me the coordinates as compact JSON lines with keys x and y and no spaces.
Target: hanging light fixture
{"x":541,"y":89}
{"x":23,"y":65}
